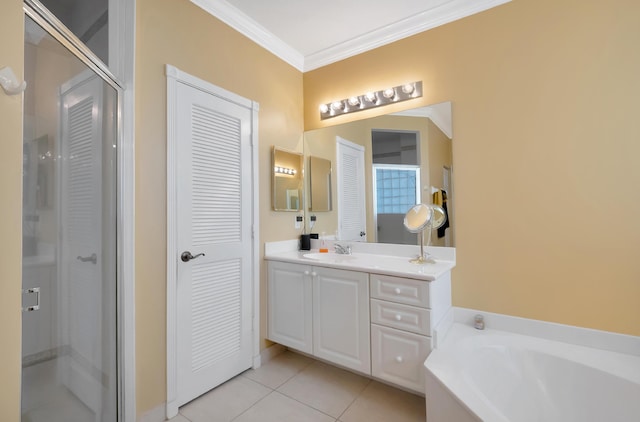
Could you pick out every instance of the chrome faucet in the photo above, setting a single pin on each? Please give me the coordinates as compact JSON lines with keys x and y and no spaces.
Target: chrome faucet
{"x":341,"y":249}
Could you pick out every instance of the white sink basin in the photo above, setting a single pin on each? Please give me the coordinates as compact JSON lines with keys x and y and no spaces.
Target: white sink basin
{"x":328,"y":256}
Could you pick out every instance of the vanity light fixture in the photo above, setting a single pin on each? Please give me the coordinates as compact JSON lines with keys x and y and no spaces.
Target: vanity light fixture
{"x":284,"y":170}
{"x":371,"y":99}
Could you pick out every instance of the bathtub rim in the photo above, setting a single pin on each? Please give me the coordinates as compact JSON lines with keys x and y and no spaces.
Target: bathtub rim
{"x":579,"y":336}
{"x":450,"y":380}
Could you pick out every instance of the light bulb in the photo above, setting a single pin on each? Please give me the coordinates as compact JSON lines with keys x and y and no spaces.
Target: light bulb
{"x":337,"y":105}
{"x":324,"y":108}
{"x":354,"y":101}
{"x":371,"y":97}
{"x":408,"y":88}
{"x":389,"y":93}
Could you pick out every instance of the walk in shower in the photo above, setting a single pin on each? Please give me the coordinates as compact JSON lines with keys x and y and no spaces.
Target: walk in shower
{"x":69,"y":328}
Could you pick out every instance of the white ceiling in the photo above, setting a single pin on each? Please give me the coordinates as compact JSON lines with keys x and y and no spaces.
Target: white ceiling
{"x":310,"y":34}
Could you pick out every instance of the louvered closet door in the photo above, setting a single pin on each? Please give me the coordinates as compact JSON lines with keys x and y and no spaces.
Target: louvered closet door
{"x":214,"y":219}
{"x":351,"y":191}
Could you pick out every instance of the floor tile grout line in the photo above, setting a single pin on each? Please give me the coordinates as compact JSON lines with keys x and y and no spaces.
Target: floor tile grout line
{"x":250,"y":407}
{"x":305,"y":404}
{"x":356,"y":398}
{"x":183,"y":415}
{"x":279,"y":385}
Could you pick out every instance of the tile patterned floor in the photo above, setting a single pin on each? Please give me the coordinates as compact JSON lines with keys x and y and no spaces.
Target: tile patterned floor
{"x":292,"y":387}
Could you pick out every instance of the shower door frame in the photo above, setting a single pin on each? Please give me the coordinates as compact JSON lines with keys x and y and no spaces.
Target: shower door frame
{"x":121,"y":54}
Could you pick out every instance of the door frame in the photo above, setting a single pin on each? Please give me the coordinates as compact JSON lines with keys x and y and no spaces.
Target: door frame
{"x":174,"y":77}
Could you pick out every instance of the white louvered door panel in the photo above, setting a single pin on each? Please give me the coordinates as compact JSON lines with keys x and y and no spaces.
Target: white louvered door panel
{"x":214,"y":218}
{"x":351,"y":191}
{"x":80,"y":276}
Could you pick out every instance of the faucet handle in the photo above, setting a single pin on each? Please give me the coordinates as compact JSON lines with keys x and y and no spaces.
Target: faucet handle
{"x":342,"y":249}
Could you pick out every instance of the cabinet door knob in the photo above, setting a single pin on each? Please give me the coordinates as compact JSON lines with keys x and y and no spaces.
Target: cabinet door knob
{"x":397,"y":290}
{"x":306,"y":272}
{"x":313,"y":273}
{"x":399,"y":359}
{"x":398,"y":317}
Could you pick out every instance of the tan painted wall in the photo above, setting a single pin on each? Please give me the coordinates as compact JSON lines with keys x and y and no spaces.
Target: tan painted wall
{"x":181,"y":34}
{"x":546,"y":146}
{"x":11,"y":54}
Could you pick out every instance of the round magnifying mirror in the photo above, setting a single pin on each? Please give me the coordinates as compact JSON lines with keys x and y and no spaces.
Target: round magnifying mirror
{"x":439,"y":216}
{"x":421,"y":218}
{"x":418,"y":218}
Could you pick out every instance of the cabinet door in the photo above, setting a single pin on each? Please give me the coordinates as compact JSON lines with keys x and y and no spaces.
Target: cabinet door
{"x":290,"y":305}
{"x":341,"y":318}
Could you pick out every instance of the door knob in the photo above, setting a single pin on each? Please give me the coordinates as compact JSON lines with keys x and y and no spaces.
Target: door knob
{"x":93,"y":258}
{"x":186,"y":256}
{"x":362,"y":234}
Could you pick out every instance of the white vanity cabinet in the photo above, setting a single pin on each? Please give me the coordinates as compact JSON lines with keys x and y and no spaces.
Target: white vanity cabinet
{"x":321,"y":311}
{"x":341,"y":317}
{"x":290,"y":305}
{"x":375,"y":323}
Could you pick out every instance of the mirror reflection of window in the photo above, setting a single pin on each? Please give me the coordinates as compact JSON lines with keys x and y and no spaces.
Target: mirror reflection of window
{"x":396,"y":183}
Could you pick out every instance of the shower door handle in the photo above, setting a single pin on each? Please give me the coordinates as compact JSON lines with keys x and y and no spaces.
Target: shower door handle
{"x":35,"y":307}
{"x":93,"y":258}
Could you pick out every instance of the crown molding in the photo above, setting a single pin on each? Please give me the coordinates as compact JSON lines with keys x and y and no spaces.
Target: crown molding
{"x":252,"y":30}
{"x":432,"y":18}
{"x":437,"y":16}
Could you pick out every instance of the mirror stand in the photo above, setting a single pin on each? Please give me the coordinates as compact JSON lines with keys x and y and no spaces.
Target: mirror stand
{"x":424,"y":257}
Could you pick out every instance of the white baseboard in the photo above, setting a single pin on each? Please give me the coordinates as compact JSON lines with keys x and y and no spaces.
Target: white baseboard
{"x":157,"y":414}
{"x":269,"y":353}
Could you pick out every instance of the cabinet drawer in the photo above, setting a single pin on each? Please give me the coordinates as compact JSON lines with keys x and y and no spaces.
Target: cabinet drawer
{"x":400,"y":290}
{"x":403,"y":317}
{"x":398,"y":357}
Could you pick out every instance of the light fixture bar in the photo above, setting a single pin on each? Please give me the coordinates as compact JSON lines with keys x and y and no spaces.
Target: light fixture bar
{"x":284,"y":170}
{"x":371,"y":99}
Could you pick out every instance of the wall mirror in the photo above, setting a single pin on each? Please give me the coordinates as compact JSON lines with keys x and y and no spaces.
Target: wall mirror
{"x":406,"y":159}
{"x":287,"y":180}
{"x":319,"y":173}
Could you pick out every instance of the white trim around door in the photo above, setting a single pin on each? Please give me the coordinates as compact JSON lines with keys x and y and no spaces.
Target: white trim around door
{"x":175,"y":76}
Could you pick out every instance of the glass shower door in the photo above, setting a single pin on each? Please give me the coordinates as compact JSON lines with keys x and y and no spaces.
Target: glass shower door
{"x":69,"y":346}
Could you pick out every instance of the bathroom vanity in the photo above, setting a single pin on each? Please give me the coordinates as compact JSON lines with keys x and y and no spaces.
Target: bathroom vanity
{"x":372,"y":312}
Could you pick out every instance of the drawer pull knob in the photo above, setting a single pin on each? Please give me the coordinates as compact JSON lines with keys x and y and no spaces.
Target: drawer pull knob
{"x":399,"y":359}
{"x":313,"y":273}
{"x":398,"y":317}
{"x":397,"y":290}
{"x":306,"y":272}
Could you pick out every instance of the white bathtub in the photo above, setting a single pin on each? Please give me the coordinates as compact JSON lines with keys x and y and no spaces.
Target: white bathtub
{"x":501,"y":376}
